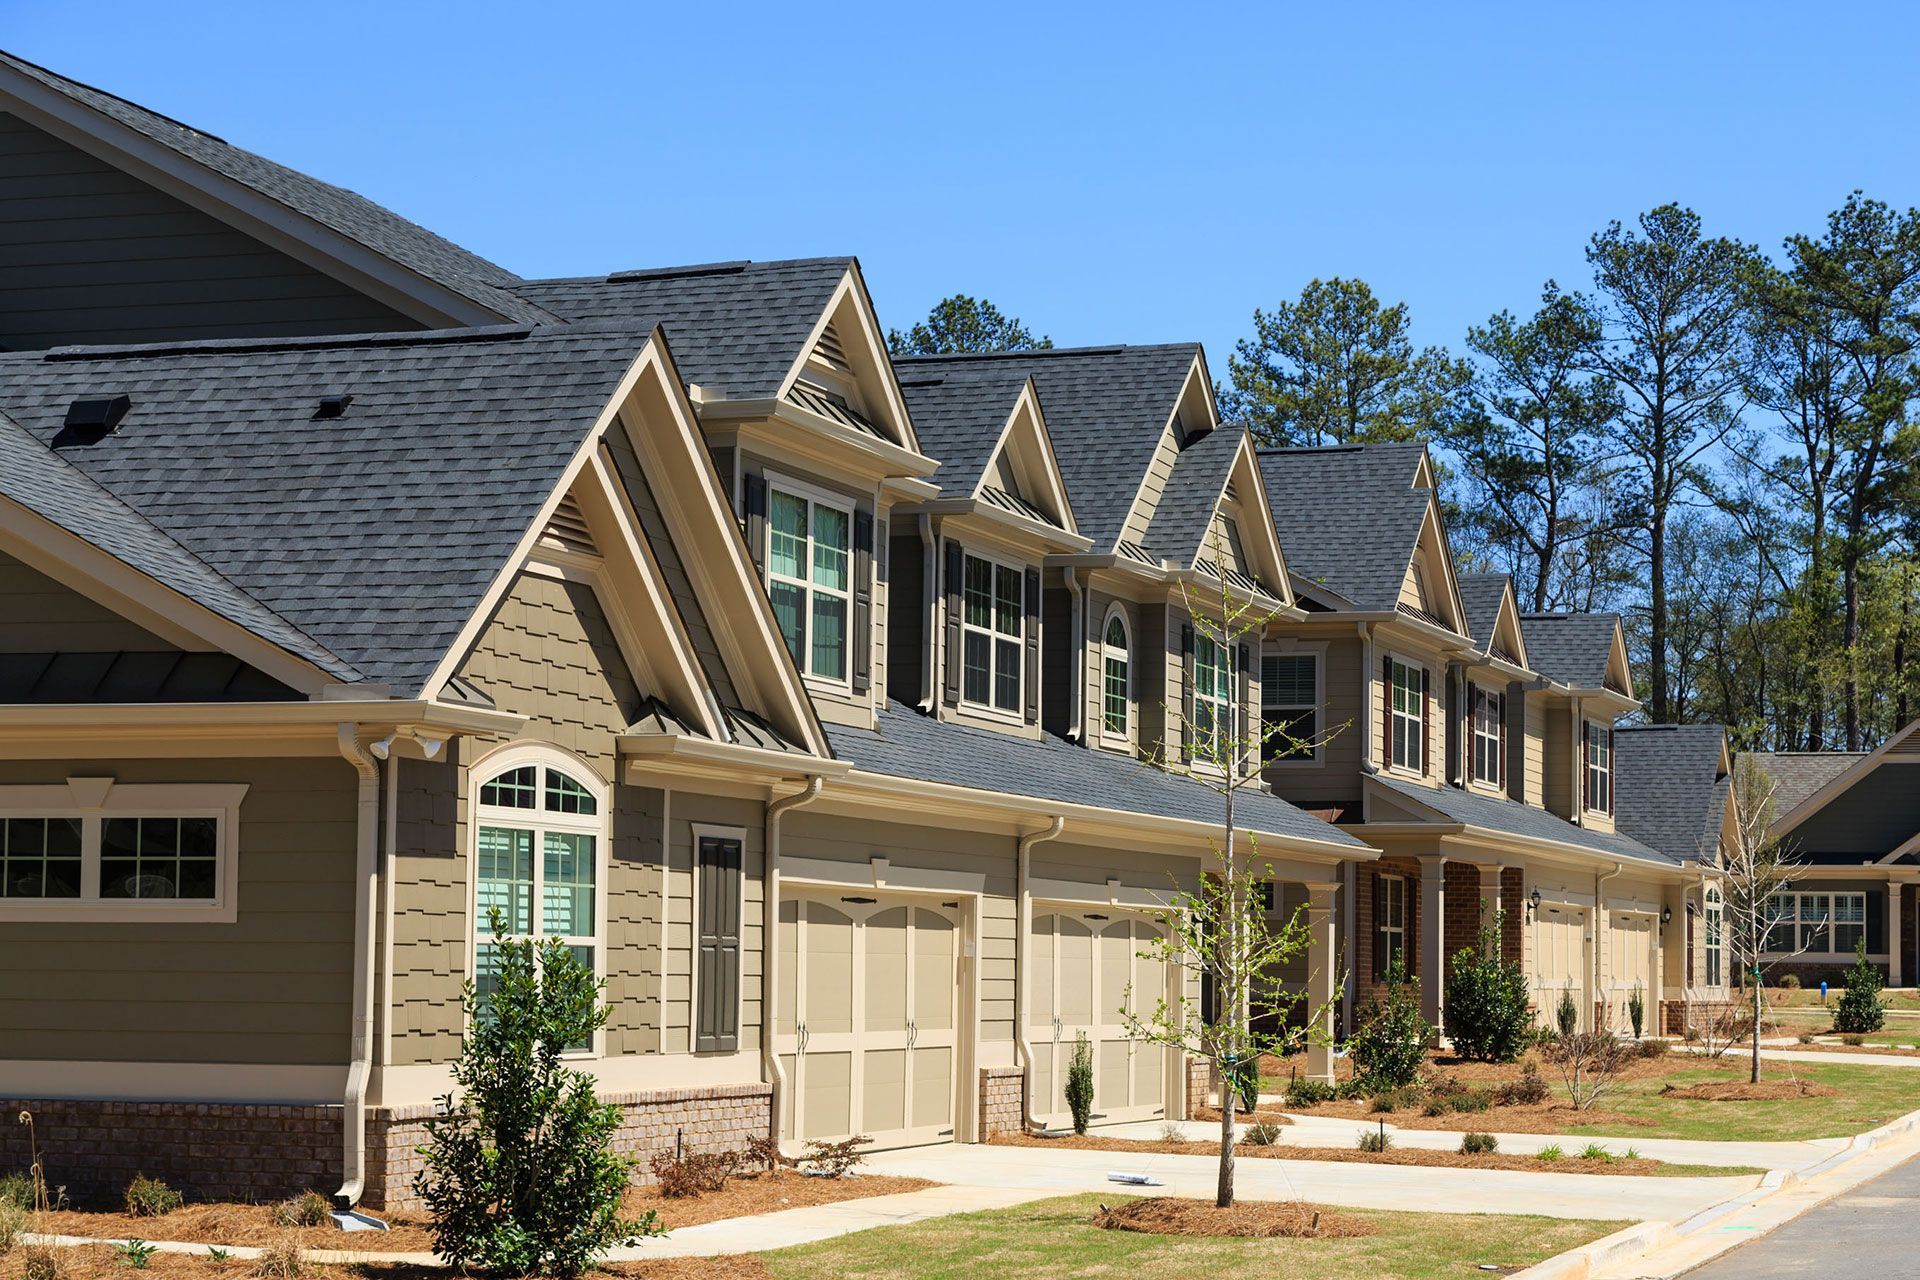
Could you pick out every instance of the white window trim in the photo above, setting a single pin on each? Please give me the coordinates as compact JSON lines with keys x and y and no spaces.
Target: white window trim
{"x":1587,"y":768}
{"x":1018,"y":714}
{"x":1420,"y":718}
{"x":1474,"y":735}
{"x":1124,"y":740}
{"x":698,"y":831}
{"x":1833,"y":952}
{"x":93,"y":799}
{"x":848,"y":506}
{"x":599,"y":825}
{"x":1712,"y":906}
{"x":1317,"y":650}
{"x":1210,"y":763}
{"x":1399,"y":931}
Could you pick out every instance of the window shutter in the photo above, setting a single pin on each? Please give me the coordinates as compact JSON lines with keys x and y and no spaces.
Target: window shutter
{"x":717,"y":1022}
{"x":1611,"y":770}
{"x":1248,"y":715}
{"x":956,"y":567}
{"x":1379,"y":930}
{"x":1472,"y":728}
{"x":1386,"y":712}
{"x":1426,"y":707}
{"x":1515,"y":753}
{"x":756,"y":486}
{"x":862,"y":639}
{"x":1033,"y":646}
{"x":1186,"y":689}
{"x":1586,"y":764}
{"x":1500,"y":753}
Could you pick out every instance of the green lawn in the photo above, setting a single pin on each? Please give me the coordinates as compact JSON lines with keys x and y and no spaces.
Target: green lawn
{"x":1779,"y":998}
{"x":1055,"y":1238}
{"x":1870,"y":1096}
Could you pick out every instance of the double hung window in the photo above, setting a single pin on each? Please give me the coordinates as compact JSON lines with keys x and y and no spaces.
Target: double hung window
{"x":990,"y":634}
{"x":810,"y":578}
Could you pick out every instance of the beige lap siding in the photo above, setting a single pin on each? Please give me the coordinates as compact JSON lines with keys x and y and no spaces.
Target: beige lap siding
{"x":39,"y":615}
{"x":270,"y":988}
{"x":676,"y":993}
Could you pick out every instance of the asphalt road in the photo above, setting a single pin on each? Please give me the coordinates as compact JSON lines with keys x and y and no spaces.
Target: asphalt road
{"x":1868,"y":1232}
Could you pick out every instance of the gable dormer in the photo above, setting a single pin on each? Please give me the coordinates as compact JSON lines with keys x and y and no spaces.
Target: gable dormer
{"x":1429,"y":591}
{"x":1023,"y":475}
{"x":843,"y":373}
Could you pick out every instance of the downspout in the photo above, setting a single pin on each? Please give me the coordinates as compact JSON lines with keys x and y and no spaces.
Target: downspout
{"x":1367,"y":667}
{"x":1599,"y":908}
{"x":1023,"y":926}
{"x":929,"y":595}
{"x":388,"y":880}
{"x":770,"y":1069}
{"x":353,"y":1179}
{"x":1577,"y":750}
{"x":1077,"y":636}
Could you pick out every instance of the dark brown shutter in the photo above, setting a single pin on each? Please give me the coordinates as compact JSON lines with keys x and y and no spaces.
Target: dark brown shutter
{"x":1032,"y":673}
{"x":1585,"y":773}
{"x":1426,"y":710}
{"x":1246,"y":715}
{"x":1500,"y":752}
{"x":1471,"y":733}
{"x":862,"y":601}
{"x":1516,"y":750}
{"x":717,"y":1020}
{"x":1186,"y":690}
{"x":756,"y":487}
{"x":1386,"y":712}
{"x":1379,"y":927}
{"x":1611,"y":769}
{"x":956,"y":569}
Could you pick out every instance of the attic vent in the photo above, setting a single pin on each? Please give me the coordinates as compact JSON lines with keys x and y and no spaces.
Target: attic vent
{"x":97,"y":414}
{"x":829,"y":349}
{"x":1231,"y":495}
{"x":568,"y":528}
{"x":332,"y":406}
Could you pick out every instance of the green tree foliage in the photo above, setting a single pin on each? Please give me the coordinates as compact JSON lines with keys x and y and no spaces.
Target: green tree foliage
{"x":1487,"y":1013}
{"x":1080,"y":1083}
{"x":520,"y":1175}
{"x":962,"y":325}
{"x":1389,"y":1042}
{"x":1336,"y":367}
{"x":1860,"y":1009}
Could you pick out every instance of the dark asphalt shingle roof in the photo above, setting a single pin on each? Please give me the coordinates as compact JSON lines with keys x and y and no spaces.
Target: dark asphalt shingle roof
{"x":1105,"y":408}
{"x":1349,"y":516}
{"x":907,"y":744}
{"x":736,"y":327}
{"x":375,"y":533}
{"x":1796,"y":775}
{"x":1178,"y":530}
{"x":959,"y":413}
{"x":1518,"y":819}
{"x":1571,"y":648}
{"x":336,"y":208}
{"x":1669,"y":792}
{"x":1481,"y":594}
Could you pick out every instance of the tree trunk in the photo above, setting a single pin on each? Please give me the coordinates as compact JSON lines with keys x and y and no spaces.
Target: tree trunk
{"x":1849,"y":640}
{"x":1229,"y":1104}
{"x":1657,"y":614}
{"x":1755,"y":982}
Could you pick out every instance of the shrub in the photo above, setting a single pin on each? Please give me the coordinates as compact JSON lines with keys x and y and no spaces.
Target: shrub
{"x":13,"y":1221}
{"x":150,"y":1197}
{"x":17,"y":1189}
{"x":1263,"y":1134}
{"x":1471,"y":1100}
{"x":136,"y":1253}
{"x":1861,"y":1008}
{"x":834,"y":1159}
{"x":1637,"y":1011}
{"x":680,"y":1177}
{"x":284,"y":1259}
{"x":1478,"y":1144}
{"x":1806,"y":1037}
{"x":1080,"y":1083}
{"x":42,"y":1262}
{"x":308,"y":1209}
{"x":1390,"y":1044}
{"x":1528,"y":1091}
{"x":1309,"y":1093}
{"x":522,"y":1179}
{"x":216,"y":1254}
{"x":1384,"y":1103}
{"x":1655,"y":1048}
{"x":1790,"y":983}
{"x":763,"y":1153}
{"x":1549,"y":1153}
{"x":1434,"y":1107}
{"x":1566,"y":1014}
{"x":1594,"y":1151}
{"x":1487,"y":1008}
{"x":1374,"y":1141}
{"x":1170,"y":1131}
{"x":1590,"y":1063}
{"x":1853,"y":1040}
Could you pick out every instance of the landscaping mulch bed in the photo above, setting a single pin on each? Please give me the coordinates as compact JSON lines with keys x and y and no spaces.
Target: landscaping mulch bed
{"x":750,"y":1194}
{"x":1167,"y":1216}
{"x":1746,"y":1091}
{"x":1269,"y":1113}
{"x":102,"y":1262}
{"x":1639,"y":1166}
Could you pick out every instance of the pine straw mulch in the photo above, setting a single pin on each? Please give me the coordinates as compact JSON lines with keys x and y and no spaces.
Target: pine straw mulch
{"x":1746,"y":1091}
{"x":1167,"y":1216}
{"x":102,"y":1262}
{"x":1638,"y":1167}
{"x":744,"y":1195}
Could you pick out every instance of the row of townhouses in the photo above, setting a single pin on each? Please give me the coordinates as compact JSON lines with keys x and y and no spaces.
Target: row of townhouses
{"x":353,"y":588}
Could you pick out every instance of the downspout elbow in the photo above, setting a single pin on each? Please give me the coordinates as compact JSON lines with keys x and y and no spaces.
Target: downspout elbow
{"x":353,"y":1175}
{"x":1023,"y":927}
{"x":770,"y":1069}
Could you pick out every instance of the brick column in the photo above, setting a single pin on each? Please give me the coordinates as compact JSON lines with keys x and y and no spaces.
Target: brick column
{"x":1322,"y":958}
{"x":1433,"y":938}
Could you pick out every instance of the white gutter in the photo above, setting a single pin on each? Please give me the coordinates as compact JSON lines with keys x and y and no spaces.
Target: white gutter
{"x":1077,"y":634}
{"x":770,"y":1068}
{"x":366,"y":892}
{"x":1023,"y":926}
{"x":929,"y":594}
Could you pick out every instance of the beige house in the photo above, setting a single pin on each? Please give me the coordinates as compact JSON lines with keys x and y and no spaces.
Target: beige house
{"x":356,"y":589}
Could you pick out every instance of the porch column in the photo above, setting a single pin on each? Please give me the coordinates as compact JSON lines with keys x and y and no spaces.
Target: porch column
{"x":1896,"y":971}
{"x":1323,"y":960}
{"x":1490,"y":904}
{"x":1433,"y":938}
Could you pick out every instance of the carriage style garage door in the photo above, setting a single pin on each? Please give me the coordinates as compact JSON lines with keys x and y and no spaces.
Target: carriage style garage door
{"x":870,"y":1016}
{"x":1560,"y":961}
{"x":1083,"y":969}
{"x":1629,"y":965}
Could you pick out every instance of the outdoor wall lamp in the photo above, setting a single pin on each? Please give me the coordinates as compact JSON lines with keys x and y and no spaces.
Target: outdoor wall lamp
{"x":1533,"y":901}
{"x":1666,"y":916}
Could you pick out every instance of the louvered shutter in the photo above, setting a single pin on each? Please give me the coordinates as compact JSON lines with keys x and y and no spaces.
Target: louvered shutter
{"x":862,"y":601}
{"x":717,"y":1020}
{"x":1248,"y":716}
{"x":1379,"y":927}
{"x":1472,"y":733}
{"x":1500,"y":758}
{"x":1386,"y":712}
{"x":1032,"y":673}
{"x":756,"y":487}
{"x":956,"y":567}
{"x":1426,"y":708}
{"x":1186,"y":690}
{"x":1586,"y":765}
{"x":1612,"y":768}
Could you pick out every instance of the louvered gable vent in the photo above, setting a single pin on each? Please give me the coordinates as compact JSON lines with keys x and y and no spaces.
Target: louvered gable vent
{"x":568,"y":529}
{"x":829,"y":350}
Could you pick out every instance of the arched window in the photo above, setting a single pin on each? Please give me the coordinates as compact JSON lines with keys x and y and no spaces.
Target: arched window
{"x":539,"y":853}
{"x":1716,"y":942}
{"x":1116,"y":678}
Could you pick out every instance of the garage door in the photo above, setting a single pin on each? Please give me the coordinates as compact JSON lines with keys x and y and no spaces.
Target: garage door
{"x":870,"y":1017}
{"x":1630,"y":965}
{"x":1084,"y":970}
{"x":1560,"y":961}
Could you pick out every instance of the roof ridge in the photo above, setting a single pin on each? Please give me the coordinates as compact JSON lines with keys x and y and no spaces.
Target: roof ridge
{"x":341,"y":341}
{"x":1368,"y":446}
{"x":117,"y":97}
{"x":1034,"y":353}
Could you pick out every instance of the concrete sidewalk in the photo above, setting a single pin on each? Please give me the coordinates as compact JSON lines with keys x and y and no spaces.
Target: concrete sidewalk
{"x":1067,"y":1171}
{"x":1859,"y":1057}
{"x":1342,"y":1134}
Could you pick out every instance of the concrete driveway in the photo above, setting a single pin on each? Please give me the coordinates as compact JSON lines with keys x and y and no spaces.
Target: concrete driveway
{"x":1867,"y":1231}
{"x":1064,"y":1171}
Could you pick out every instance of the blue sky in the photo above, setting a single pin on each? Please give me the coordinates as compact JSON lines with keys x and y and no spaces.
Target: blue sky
{"x":1109,"y":173}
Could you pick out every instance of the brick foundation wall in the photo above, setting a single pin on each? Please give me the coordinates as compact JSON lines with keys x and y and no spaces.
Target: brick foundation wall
{"x":1002,"y":1102}
{"x":1813,"y":972}
{"x":1673,"y":1013}
{"x":1200,"y":1086}
{"x":208,"y":1151}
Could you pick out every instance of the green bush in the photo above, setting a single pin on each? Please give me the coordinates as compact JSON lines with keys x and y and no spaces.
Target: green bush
{"x":521,"y":1177}
{"x":1566,"y":1015}
{"x":1265,"y":1134}
{"x":1080,"y":1083}
{"x":308,"y":1209}
{"x":1637,"y":1011}
{"x":150,"y":1197}
{"x":1478,"y":1144}
{"x":1549,"y":1153}
{"x":1790,"y":983}
{"x":1528,"y":1091}
{"x":16,"y":1189}
{"x":1860,"y":1009}
{"x":1310,"y":1093}
{"x":1390,"y":1045}
{"x":1487,"y":1009}
{"x":1374,"y":1141}
{"x":13,"y":1221}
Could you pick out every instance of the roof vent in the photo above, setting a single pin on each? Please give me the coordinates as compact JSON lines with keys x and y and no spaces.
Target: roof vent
{"x":97,"y":415}
{"x":332,"y":406}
